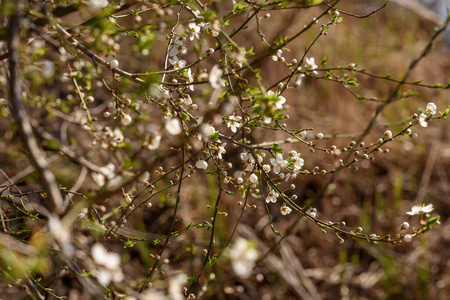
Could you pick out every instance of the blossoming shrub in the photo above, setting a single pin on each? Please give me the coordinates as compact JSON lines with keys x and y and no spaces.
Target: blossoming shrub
{"x":187,"y":141}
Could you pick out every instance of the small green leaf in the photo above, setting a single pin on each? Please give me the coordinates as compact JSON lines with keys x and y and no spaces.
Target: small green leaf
{"x":129,"y":244}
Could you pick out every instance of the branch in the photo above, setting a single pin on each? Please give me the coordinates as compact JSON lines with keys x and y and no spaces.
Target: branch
{"x":36,"y":155}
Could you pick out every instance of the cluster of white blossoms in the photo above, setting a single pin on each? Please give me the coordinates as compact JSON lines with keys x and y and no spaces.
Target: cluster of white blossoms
{"x":430,"y":110}
{"x":243,"y":256}
{"x":108,"y":265}
{"x":420,"y":210}
{"x":178,"y":48}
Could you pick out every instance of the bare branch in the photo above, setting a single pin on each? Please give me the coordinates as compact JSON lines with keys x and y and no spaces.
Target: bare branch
{"x":36,"y":155}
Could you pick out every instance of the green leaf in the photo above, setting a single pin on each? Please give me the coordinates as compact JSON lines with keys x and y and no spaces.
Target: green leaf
{"x":276,"y":149}
{"x":129,"y":244}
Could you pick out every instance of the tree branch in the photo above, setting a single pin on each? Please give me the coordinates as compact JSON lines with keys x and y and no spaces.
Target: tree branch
{"x":36,"y":155}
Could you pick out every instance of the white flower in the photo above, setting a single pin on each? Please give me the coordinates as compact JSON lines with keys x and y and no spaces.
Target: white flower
{"x":175,"y":289}
{"x":61,"y":233}
{"x":126,"y":119}
{"x":281,"y":100}
{"x":278,"y":162}
{"x":201,"y":164}
{"x":177,"y":63}
{"x":405,"y":225}
{"x":272,"y":196}
{"x":243,"y":256}
{"x":154,"y":144}
{"x":311,"y":63}
{"x":197,"y":14}
{"x":253,"y":179}
{"x":303,"y":134}
{"x":266,"y":168}
{"x":388,"y":134}
{"x":296,"y":159}
{"x":407,"y":238}
{"x":420,"y":209}
{"x":206,"y":131}
{"x":247,"y":157}
{"x":259,"y":158}
{"x":279,"y":52}
{"x":234,"y":122}
{"x":173,"y":126}
{"x":194,"y":31}
{"x":190,"y":79}
{"x":285,"y":210}
{"x":108,"y":265}
{"x":319,"y":136}
{"x":215,"y":77}
{"x":422,"y":120}
{"x":97,"y":4}
{"x":114,"y":63}
{"x":221,"y":150}
{"x":431,"y":108}
{"x":118,"y":135}
{"x":108,"y":172}
{"x":298,"y":81}
{"x":83,"y":213}
{"x":294,"y":172}
{"x":267,"y":120}
{"x":178,"y":47}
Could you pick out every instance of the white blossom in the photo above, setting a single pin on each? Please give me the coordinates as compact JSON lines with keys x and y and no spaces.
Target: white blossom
{"x":281,"y":100}
{"x":311,"y":64}
{"x":285,"y":210}
{"x":97,"y":4}
{"x":83,"y":213}
{"x":206,"y":131}
{"x":190,"y":79}
{"x":422,"y":120}
{"x":407,"y":238}
{"x":272,"y":196}
{"x":221,"y":150}
{"x":243,"y":256}
{"x":173,"y":126}
{"x":296,"y":159}
{"x":215,"y":77}
{"x":108,"y":265}
{"x":431,"y":108}
{"x":234,"y":122}
{"x":114,"y":63}
{"x":405,"y":225}
{"x":299,"y":80}
{"x":126,"y":119}
{"x":278,"y":162}
{"x":118,"y":135}
{"x":108,"y":172}
{"x":253,"y":179}
{"x":177,"y":63}
{"x":178,"y":48}
{"x":155,"y":142}
{"x":175,"y":289}
{"x":194,"y":31}
{"x":420,"y":209}
{"x":201,"y":164}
